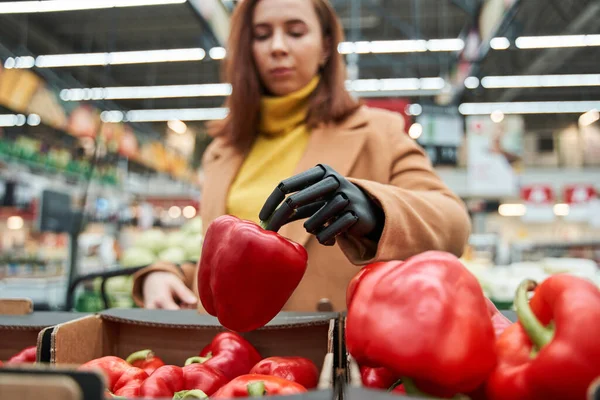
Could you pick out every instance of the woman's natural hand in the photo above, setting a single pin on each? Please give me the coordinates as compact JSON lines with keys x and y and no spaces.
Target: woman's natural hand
{"x":165,"y":290}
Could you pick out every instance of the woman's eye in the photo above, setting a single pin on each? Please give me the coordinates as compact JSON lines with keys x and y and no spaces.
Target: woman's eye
{"x":261,"y":35}
{"x":296,"y":34}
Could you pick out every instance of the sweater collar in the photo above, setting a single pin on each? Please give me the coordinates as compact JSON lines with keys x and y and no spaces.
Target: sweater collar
{"x":280,"y":114}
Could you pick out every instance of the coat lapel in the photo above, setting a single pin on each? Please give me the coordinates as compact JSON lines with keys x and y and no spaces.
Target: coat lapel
{"x":220,"y":168}
{"x":335,"y":145}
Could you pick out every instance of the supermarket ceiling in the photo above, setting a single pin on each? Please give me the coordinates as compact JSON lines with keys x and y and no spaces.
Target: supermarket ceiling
{"x":195,"y":25}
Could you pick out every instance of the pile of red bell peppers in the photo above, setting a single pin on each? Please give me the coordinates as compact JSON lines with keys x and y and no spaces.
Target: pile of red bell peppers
{"x":424,"y":327}
{"x":229,"y":366}
{"x":25,"y":356}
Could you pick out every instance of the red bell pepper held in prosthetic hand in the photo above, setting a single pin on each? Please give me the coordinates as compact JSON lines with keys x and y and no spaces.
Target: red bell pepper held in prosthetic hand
{"x":296,"y":369}
{"x":246,"y":274}
{"x":427,"y":321}
{"x":25,"y":356}
{"x":229,"y":353}
{"x":146,"y":360}
{"x":257,"y":386}
{"x":122,"y":379}
{"x":562,"y":325}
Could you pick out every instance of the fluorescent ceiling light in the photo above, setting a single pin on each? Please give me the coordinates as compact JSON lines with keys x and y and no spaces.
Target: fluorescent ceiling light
{"x":224,"y":89}
{"x":561,"y":209}
{"x":512,"y":210}
{"x":177,"y":126}
{"x":9,"y":120}
{"x":499,"y":43}
{"x":147,"y":92}
{"x":217,"y":53}
{"x":22,"y":7}
{"x":471,"y":82}
{"x":184,"y":114}
{"x":543,"y":42}
{"x":19,"y":62}
{"x":400,"y":46}
{"x":121,"y":57}
{"x":520,"y":81}
{"x":589,"y":118}
{"x":445,"y":45}
{"x":415,"y":130}
{"x":541,"y":107}
{"x":399,"y":84}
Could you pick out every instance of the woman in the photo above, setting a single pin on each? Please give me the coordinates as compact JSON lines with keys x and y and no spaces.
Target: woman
{"x":290,"y":112}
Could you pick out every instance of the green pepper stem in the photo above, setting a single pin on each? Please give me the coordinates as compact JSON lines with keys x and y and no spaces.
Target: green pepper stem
{"x":256,"y":389}
{"x":395,"y":385}
{"x":139,"y":355}
{"x":197,"y":360}
{"x":411,"y":388}
{"x":539,"y":335}
{"x":263,"y":224}
{"x":190,"y":394}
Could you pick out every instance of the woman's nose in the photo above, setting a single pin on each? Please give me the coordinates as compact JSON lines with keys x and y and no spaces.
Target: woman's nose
{"x":279,"y":45}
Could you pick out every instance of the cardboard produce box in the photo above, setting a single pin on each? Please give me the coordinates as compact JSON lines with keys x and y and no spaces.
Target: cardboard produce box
{"x":176,"y":335}
{"x":20,"y":325}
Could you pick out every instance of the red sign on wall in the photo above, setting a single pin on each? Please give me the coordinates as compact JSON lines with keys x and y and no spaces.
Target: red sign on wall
{"x":538,"y":194}
{"x":579,"y":193}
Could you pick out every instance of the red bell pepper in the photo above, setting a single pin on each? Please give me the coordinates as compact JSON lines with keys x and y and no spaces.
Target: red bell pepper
{"x":258,"y":386}
{"x":562,"y":326}
{"x":112,"y":367}
{"x":295,"y":369}
{"x":163,"y":383}
{"x":146,"y":360}
{"x":357,"y":279}
{"x":507,"y":381}
{"x":247,"y":274}
{"x":202,"y":377}
{"x":25,"y":356}
{"x":426,"y":320}
{"x":229,"y":353}
{"x":191,"y":381}
{"x":499,"y":321}
{"x":122,"y":378}
{"x":377,"y":378}
{"x":130,"y":382}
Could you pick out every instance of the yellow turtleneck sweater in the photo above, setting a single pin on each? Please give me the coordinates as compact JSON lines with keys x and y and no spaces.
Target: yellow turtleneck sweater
{"x":275,"y":153}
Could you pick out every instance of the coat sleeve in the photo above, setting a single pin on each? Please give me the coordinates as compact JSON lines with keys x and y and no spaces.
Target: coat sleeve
{"x":421,"y":212}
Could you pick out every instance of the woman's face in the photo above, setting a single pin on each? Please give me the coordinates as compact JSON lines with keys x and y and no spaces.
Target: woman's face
{"x":287,"y":44}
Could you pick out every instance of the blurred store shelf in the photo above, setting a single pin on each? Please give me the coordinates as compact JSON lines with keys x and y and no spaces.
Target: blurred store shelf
{"x":558,"y":178}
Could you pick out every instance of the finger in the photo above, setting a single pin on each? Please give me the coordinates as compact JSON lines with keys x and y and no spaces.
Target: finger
{"x":279,"y":217}
{"x":330,"y":210}
{"x":292,"y":184}
{"x":340,"y":225}
{"x":184,"y":294}
{"x":313,"y":192}
{"x":304,"y":197}
{"x":150,"y":306}
{"x":306,"y":211}
{"x":167,"y":303}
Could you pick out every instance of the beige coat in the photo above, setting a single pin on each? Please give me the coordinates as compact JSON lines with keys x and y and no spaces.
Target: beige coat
{"x":372,"y":150}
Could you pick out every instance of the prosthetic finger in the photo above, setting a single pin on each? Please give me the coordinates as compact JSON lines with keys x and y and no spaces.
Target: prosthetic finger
{"x":279,"y":217}
{"x":306,"y":211}
{"x":340,"y":225}
{"x":287,"y":186}
{"x":331,"y":209}
{"x":313,"y":193}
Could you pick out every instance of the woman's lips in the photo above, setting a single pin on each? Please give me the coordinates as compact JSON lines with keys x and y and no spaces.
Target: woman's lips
{"x":281,"y":72}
